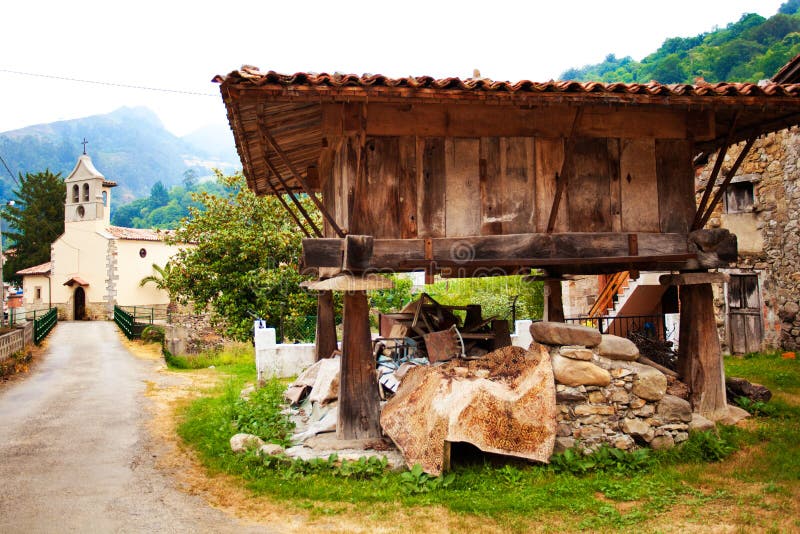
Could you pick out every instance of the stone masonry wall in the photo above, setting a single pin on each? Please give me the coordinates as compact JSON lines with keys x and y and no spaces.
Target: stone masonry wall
{"x":772,"y":167}
{"x":605,"y":397}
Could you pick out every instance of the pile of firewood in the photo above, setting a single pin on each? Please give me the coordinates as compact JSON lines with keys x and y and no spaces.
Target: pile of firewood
{"x":656,"y":350}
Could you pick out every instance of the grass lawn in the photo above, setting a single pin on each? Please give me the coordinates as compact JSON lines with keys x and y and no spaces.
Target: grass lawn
{"x":744,"y":478}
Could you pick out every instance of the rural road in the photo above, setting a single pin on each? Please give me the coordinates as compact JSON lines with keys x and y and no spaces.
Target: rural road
{"x":75,"y":455}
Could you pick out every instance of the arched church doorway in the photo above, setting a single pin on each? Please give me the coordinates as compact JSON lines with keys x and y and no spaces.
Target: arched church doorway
{"x":79,"y":304}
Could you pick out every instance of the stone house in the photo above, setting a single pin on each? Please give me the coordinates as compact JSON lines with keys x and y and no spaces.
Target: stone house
{"x":94,"y":265}
{"x":758,"y":308}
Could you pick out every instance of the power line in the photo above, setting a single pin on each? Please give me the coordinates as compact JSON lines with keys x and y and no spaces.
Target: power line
{"x":9,"y":170}
{"x":110,"y":84}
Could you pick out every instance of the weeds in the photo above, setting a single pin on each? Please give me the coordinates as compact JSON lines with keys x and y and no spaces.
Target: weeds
{"x":261,"y":415}
{"x":18,"y":362}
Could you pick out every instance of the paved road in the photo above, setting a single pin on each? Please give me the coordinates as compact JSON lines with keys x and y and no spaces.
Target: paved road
{"x":74,"y":453}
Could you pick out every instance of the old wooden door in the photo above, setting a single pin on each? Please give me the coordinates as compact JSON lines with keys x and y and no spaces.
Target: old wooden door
{"x":79,"y":309}
{"x":744,"y":314}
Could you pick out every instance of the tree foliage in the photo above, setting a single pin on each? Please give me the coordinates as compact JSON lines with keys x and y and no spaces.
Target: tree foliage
{"x":749,"y":50}
{"x":245,"y":259}
{"x":36,"y":220}
{"x":160,"y":211}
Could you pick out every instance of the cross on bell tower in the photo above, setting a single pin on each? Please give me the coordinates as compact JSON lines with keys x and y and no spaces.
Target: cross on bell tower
{"x":85,"y":142}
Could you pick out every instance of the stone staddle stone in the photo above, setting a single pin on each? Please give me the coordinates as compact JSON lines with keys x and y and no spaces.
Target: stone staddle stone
{"x":551,"y":333}
{"x":503,"y":403}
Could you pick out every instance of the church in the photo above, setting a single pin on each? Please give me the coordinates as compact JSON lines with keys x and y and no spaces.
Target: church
{"x":94,"y":265}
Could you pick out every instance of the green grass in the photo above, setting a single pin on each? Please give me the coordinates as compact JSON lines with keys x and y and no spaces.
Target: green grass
{"x":237,"y":359}
{"x":583,"y":493}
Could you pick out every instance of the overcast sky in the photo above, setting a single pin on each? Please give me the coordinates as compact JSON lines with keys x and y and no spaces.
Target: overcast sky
{"x":181,"y":45}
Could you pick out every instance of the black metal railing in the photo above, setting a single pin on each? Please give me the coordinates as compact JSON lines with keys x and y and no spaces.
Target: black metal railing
{"x":125,"y":321}
{"x":652,"y":326}
{"x":143,"y":314}
{"x":43,"y":323}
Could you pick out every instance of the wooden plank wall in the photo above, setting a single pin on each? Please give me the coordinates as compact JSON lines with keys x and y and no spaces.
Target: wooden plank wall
{"x":411,"y":186}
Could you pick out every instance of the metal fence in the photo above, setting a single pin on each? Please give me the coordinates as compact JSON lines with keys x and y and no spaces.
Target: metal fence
{"x":43,"y":324}
{"x":652,"y":326}
{"x":143,"y":314}
{"x":300,"y":329}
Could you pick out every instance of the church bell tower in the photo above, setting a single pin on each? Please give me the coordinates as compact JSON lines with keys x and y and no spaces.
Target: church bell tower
{"x":88,"y":194}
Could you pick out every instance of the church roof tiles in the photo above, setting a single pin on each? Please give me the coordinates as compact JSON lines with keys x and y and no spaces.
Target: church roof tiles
{"x":138,"y":234}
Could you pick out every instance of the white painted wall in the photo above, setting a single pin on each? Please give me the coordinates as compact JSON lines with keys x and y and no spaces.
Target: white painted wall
{"x":131,"y":268}
{"x":81,"y":251}
{"x":279,"y":360}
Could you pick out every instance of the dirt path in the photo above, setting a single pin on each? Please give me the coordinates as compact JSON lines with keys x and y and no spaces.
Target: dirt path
{"x":75,"y":452}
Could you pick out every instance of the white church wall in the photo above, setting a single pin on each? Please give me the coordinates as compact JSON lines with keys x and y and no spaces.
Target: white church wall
{"x":132,"y":267}
{"x":80,"y":252}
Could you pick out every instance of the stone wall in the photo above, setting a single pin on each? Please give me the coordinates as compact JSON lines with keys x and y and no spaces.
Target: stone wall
{"x":769,"y":237}
{"x":192,"y":333}
{"x":605,"y":397}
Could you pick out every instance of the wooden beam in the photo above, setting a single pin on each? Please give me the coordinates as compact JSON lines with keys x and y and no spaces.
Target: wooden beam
{"x":289,"y":192}
{"x":288,"y":209}
{"x":725,"y":183}
{"x":359,"y":402}
{"x":325,"y":340}
{"x":471,"y":120}
{"x":302,"y":181}
{"x":688,"y":279}
{"x":714,"y":173}
{"x":562,"y":179}
{"x":553,"y":302}
{"x":518,"y":249}
{"x":357,"y":253}
{"x":700,"y":358}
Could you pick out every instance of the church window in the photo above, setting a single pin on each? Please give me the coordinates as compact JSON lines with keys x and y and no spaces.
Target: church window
{"x":142,"y":253}
{"x":75,"y":193}
{"x":38,"y":293}
{"x":86,"y":192}
{"x":105,"y":198}
{"x":80,"y":211}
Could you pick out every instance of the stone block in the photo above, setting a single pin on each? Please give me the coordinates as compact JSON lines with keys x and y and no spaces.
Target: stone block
{"x":673,"y":409}
{"x":700,"y":423}
{"x":577,"y":373}
{"x":649,"y":384}
{"x":552,"y":333}
{"x":662,"y":442}
{"x":617,"y":348}
{"x":576,"y":353}
{"x":588,"y":409}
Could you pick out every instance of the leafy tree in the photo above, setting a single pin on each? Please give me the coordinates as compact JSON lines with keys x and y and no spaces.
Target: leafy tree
{"x":189,"y":179}
{"x":790,"y":7}
{"x":159,"y":196}
{"x":245,"y":259}
{"x":36,"y":220}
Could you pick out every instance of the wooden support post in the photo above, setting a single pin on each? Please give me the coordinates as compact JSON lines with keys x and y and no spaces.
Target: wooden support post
{"x":326,"y":326}
{"x":359,"y":413}
{"x":700,"y":357}
{"x":553,"y":305}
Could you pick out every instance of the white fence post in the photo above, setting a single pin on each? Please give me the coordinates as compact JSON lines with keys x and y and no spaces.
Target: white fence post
{"x":265,"y":351}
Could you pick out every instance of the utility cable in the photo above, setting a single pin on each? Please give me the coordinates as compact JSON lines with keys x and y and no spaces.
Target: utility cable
{"x":111,"y":84}
{"x":9,"y":171}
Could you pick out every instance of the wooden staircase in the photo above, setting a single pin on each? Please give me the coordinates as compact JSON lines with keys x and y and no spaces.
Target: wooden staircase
{"x":616,"y":283}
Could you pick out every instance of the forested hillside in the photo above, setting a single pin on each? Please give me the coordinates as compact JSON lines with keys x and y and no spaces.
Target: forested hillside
{"x":129,"y":146}
{"x":752,"y":49}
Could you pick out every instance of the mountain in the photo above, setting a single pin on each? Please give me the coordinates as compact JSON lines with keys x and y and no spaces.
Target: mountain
{"x":129,"y":146}
{"x":749,"y":50}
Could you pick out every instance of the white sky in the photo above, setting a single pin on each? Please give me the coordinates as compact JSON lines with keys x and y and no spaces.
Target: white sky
{"x":181,"y":45}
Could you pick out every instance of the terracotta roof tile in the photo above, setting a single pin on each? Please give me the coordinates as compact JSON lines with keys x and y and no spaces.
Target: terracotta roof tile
{"x":252,"y":76}
{"x":138,"y":234}
{"x":43,"y":268}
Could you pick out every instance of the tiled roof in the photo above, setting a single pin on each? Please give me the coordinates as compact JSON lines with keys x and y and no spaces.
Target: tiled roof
{"x":138,"y":234}
{"x":43,"y":268}
{"x":252,"y":76}
{"x":789,"y":73}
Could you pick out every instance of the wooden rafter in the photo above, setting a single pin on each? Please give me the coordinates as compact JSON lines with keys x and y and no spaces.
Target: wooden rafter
{"x":561,"y":178}
{"x":701,"y":208}
{"x":724,"y":185}
{"x":289,"y":192}
{"x":302,"y":181}
{"x":288,"y":209}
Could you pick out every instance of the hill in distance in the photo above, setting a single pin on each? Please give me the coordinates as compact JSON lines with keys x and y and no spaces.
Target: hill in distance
{"x":129,"y":146}
{"x":749,"y":50}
